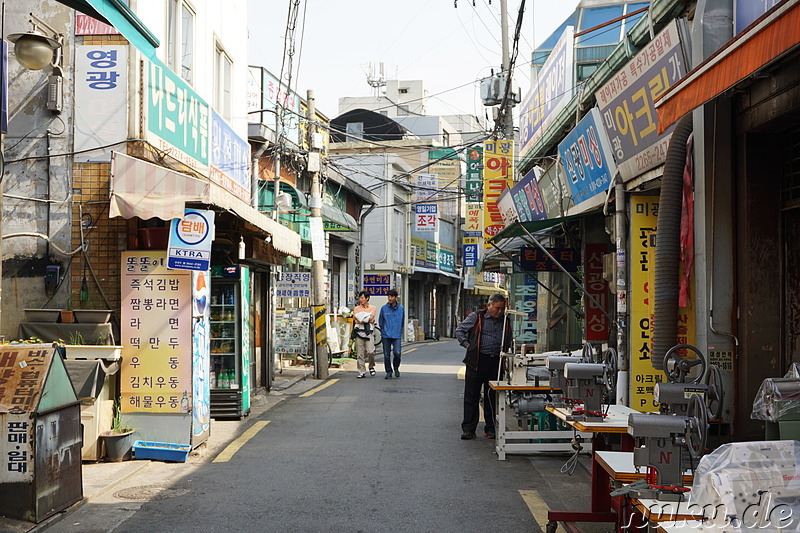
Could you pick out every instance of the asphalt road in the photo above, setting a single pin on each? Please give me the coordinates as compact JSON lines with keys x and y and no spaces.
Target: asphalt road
{"x":360,"y":455}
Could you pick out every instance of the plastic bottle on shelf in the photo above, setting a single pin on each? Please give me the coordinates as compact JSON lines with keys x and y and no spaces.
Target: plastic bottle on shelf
{"x":184,"y":403}
{"x":234,"y":383}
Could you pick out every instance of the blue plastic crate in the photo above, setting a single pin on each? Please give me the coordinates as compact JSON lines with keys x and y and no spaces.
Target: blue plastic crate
{"x":161,"y":451}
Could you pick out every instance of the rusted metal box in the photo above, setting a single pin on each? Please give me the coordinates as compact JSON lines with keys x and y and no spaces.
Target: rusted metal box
{"x":40,"y":434}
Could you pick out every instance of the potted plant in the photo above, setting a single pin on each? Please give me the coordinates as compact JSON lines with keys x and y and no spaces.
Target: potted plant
{"x":119,"y":439}
{"x":77,"y":348}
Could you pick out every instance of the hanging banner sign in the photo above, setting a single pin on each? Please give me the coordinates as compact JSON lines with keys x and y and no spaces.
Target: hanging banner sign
{"x":190,"y":240}
{"x":498,"y":173}
{"x":474,"y":183}
{"x":586,"y":155}
{"x":427,"y":217}
{"x":626,"y":103}
{"x":470,"y":253}
{"x":505,"y":204}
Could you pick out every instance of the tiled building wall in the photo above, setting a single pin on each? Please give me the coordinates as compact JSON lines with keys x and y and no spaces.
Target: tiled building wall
{"x":105,"y":238}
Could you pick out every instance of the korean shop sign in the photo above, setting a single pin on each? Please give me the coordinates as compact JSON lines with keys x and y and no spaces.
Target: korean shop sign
{"x":626,"y":103}
{"x":190,"y":240}
{"x":586,"y":157}
{"x":377,"y":284}
{"x":230,"y":159}
{"x":427,"y":217}
{"x":101,"y":96}
{"x":549,"y":94}
{"x":473,"y":226}
{"x":498,"y":172}
{"x":535,"y":260}
{"x":447,"y":259}
{"x":156,"y":329}
{"x":177,"y":118}
{"x":528,"y":198}
{"x":474,"y":182}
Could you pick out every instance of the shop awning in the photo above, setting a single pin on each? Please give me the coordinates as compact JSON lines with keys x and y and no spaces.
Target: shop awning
{"x":142,"y":189}
{"x":119,"y":15}
{"x":519,"y":229}
{"x":436,"y":271}
{"x":763,"y":42}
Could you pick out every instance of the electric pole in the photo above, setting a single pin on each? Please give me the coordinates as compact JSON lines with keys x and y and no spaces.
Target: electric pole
{"x":508,"y":100}
{"x":317,"y":270}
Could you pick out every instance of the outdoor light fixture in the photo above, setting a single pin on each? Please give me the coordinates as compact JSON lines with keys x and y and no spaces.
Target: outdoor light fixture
{"x":34,"y":49}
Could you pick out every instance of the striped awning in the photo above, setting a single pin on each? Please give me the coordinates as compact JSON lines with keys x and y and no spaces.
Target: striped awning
{"x":763,"y":42}
{"x":145,"y":190}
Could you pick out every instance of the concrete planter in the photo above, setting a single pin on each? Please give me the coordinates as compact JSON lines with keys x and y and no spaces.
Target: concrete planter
{"x":93,"y":351}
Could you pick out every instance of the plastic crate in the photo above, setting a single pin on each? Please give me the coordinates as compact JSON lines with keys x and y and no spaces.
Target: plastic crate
{"x":161,"y":451}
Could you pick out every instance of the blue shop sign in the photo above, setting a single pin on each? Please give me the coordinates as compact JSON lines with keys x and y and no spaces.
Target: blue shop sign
{"x":230,"y":158}
{"x":587,"y":158}
{"x":528,"y":198}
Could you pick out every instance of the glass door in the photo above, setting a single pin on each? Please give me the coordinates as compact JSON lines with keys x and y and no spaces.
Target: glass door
{"x":224,"y":336}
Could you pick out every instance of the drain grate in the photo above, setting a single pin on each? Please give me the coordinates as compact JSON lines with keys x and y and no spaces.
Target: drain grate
{"x":149,"y":493}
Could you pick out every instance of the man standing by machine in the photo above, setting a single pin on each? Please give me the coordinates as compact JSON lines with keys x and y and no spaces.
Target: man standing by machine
{"x":390,"y":322}
{"x":484,"y":334}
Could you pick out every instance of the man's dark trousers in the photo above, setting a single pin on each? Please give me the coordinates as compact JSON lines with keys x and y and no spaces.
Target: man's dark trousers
{"x":474,"y":380}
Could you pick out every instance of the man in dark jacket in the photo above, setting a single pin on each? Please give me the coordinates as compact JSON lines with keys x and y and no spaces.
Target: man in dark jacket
{"x":484,"y":334}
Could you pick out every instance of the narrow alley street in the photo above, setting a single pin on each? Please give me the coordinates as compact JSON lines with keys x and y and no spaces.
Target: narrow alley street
{"x":349,"y":455}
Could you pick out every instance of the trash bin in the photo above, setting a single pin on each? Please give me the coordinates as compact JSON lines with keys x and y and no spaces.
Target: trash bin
{"x":777,"y":403}
{"x":40,"y":434}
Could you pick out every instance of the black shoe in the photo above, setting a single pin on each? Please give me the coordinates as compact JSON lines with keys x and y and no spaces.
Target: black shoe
{"x":467,"y":435}
{"x":489,"y":434}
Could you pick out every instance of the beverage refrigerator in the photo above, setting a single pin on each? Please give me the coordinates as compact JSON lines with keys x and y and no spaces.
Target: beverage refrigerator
{"x":231,"y":346}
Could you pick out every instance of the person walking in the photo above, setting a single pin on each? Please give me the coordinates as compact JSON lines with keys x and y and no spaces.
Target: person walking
{"x":484,"y":334}
{"x":364,"y":321}
{"x":390,"y":322}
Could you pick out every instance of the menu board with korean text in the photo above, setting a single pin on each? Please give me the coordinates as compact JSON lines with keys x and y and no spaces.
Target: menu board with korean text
{"x":156,"y":332}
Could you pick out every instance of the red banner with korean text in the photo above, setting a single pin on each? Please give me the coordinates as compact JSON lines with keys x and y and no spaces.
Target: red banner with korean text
{"x":596,"y":321}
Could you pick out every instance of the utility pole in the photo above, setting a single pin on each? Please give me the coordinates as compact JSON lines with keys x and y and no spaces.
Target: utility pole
{"x":508,"y":101}
{"x":317,"y":271}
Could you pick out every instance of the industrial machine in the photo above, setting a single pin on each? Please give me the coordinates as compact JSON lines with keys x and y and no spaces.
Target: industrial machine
{"x":674,"y":396}
{"x":585,"y":384}
{"x":668,"y":445}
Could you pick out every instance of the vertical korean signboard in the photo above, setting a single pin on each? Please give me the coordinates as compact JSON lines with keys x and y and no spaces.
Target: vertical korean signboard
{"x":596,"y":321}
{"x":156,"y":332}
{"x":498,"y":172}
{"x":177,"y":118}
{"x":101,"y":99}
{"x":644,"y":218}
{"x":472,"y":230}
{"x":626,"y":103}
{"x":473,"y":187}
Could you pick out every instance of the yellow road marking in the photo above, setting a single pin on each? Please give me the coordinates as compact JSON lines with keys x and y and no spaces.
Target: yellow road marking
{"x":410,"y":350}
{"x":462,"y":372}
{"x":234,"y":446}
{"x":317,"y":389}
{"x":536,"y":505}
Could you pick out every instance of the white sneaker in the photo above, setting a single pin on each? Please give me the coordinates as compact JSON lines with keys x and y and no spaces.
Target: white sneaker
{"x":361,"y":376}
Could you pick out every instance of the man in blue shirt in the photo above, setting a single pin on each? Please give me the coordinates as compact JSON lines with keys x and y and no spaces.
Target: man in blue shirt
{"x":484,"y":333}
{"x":391,"y":321}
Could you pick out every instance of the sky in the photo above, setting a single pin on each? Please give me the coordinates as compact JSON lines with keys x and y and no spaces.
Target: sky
{"x":447,"y":47}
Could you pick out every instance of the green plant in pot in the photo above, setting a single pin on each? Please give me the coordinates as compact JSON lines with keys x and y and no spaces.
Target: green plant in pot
{"x":119,"y":439}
